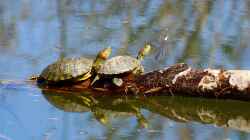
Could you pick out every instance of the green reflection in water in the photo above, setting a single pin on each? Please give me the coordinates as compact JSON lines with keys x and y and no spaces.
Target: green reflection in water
{"x":223,"y":113}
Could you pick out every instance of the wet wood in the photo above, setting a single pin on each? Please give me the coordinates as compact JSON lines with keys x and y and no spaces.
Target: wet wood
{"x":179,"y":79}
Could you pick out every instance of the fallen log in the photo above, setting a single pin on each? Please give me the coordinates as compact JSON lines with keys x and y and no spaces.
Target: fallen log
{"x":179,"y":79}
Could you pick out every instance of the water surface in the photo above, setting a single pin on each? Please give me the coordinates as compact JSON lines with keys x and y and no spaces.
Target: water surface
{"x":35,"y":33}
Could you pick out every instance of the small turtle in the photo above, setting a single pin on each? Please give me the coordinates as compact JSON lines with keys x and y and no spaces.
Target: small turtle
{"x":73,"y":69}
{"x":122,"y":64}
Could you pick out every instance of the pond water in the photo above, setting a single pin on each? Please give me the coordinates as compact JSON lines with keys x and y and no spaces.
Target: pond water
{"x":35,"y":33}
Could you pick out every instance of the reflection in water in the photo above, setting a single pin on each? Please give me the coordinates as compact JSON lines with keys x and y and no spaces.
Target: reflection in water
{"x":231,"y":114}
{"x":74,"y":103}
{"x":201,"y":33}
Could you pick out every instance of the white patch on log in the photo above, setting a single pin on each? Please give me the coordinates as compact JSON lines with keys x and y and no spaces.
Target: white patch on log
{"x":208,"y":82}
{"x":213,"y":72}
{"x":181,"y":74}
{"x":239,"y":79}
{"x":160,"y":71}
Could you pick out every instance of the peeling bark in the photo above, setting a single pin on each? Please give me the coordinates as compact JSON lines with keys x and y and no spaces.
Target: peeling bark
{"x":184,"y":80}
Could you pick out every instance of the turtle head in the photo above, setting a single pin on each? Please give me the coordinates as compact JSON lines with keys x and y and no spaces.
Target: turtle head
{"x":101,"y":57}
{"x":144,"y":51}
{"x":105,"y":53}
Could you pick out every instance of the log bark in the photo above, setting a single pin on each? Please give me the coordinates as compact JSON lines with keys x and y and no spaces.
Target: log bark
{"x":181,"y":79}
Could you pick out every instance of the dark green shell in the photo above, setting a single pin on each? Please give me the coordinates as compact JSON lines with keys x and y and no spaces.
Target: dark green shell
{"x":67,"y":69}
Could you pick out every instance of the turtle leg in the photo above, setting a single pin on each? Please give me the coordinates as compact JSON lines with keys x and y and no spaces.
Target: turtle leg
{"x":139,"y":70}
{"x":85,"y":77}
{"x":117,"y":81}
{"x":97,"y":77}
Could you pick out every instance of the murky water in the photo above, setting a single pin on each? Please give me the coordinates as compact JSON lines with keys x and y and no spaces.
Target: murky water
{"x":35,"y":33}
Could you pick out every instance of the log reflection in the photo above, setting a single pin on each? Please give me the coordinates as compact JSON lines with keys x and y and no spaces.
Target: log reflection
{"x":222,"y":113}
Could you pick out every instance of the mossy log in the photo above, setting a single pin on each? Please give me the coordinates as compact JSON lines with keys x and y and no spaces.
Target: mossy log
{"x":179,"y":79}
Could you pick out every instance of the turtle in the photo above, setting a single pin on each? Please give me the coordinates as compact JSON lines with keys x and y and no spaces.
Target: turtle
{"x":122,"y":64}
{"x":73,"y":69}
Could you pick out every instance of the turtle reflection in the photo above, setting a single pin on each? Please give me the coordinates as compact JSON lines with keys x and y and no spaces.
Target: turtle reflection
{"x":223,"y":113}
{"x":101,"y":108}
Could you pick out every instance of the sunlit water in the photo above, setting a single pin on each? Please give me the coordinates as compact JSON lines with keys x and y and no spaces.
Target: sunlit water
{"x":35,"y":33}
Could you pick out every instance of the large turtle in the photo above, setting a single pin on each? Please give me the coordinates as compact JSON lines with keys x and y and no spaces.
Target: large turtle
{"x":73,"y":69}
{"x":122,"y":64}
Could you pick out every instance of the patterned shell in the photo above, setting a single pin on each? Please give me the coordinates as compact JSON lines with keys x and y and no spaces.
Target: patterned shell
{"x":67,"y":69}
{"x":119,"y":65}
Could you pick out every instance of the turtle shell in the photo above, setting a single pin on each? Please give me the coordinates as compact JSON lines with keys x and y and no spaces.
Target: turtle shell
{"x":67,"y":69}
{"x":119,"y":65}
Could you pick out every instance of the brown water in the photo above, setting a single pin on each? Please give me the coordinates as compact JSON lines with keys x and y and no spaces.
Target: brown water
{"x":35,"y":33}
